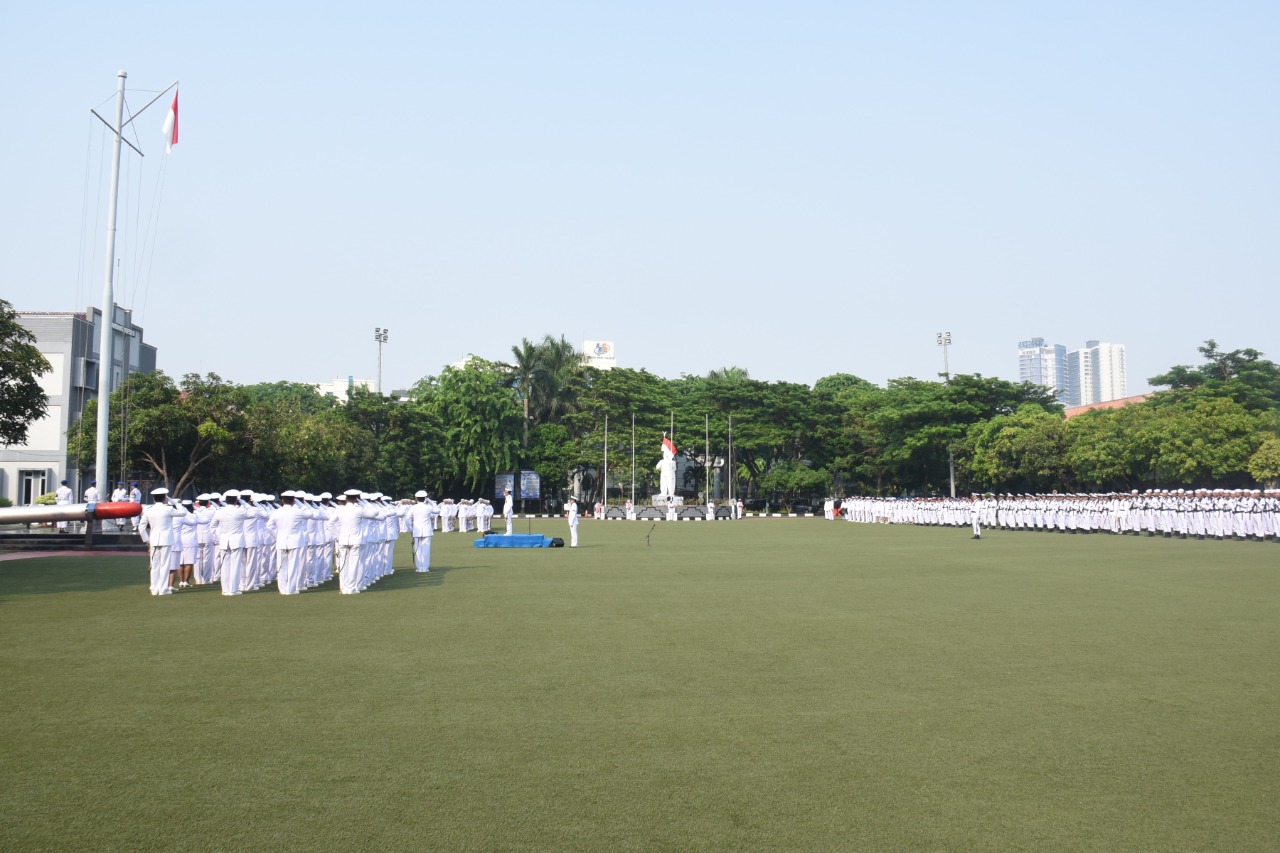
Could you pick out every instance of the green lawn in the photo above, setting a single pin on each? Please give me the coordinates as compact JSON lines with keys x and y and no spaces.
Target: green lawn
{"x":770,"y":684}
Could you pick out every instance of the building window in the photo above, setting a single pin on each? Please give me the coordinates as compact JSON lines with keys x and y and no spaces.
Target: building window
{"x":31,"y":485}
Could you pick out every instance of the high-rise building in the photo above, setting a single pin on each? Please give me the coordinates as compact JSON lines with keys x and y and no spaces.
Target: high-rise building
{"x":1042,"y":364}
{"x":1095,"y":374}
{"x":70,"y":343}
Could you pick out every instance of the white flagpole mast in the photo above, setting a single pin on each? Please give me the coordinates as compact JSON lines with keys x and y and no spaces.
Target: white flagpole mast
{"x":108,"y":299}
{"x":606,"y":460}
{"x":633,"y":459}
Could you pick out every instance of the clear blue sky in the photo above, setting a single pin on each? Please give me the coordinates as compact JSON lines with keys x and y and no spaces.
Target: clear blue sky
{"x":796,"y":188}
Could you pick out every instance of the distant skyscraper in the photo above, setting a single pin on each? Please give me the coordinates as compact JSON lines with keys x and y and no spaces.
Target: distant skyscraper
{"x":1095,"y":374}
{"x":1042,"y":364}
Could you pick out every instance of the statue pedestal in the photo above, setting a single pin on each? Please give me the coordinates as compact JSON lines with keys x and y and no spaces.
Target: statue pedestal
{"x":666,"y":500}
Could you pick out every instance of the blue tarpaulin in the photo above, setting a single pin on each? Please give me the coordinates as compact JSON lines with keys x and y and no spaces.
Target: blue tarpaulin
{"x":515,"y":540}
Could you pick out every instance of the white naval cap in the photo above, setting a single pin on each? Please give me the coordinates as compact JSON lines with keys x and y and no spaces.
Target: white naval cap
{"x":203,"y":496}
{"x":324,"y":496}
{"x":215,"y":496}
{"x":288,"y":493}
{"x":160,"y":491}
{"x":353,"y":493}
{"x":231,"y":493}
{"x":421,"y":493}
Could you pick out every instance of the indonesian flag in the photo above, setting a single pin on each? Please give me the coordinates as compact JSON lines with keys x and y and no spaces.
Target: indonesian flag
{"x":170,"y":129}
{"x":668,"y":444}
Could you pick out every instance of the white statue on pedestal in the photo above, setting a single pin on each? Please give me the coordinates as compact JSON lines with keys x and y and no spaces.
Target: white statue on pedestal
{"x":666,"y":469}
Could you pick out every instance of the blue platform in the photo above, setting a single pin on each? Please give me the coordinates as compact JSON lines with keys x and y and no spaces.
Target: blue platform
{"x":515,"y":540}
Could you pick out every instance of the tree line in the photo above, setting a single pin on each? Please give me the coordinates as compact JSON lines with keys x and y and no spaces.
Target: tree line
{"x":1214,"y":426}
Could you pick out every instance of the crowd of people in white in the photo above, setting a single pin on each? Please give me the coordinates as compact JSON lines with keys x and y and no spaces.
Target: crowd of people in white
{"x":247,"y":540}
{"x":1178,"y":513}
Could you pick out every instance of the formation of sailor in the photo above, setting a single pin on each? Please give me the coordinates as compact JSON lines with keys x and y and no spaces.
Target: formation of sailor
{"x":1220,"y":514}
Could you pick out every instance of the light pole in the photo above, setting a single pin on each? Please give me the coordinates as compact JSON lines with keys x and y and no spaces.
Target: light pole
{"x":380,"y":335}
{"x":944,"y":341}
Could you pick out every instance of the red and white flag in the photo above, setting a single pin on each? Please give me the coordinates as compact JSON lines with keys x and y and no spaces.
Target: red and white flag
{"x":170,"y":129}
{"x":668,"y":444}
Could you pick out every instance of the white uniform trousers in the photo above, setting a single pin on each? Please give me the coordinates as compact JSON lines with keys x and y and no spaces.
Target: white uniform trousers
{"x":349,"y":568}
{"x":232,"y":567}
{"x":164,"y":559}
{"x":290,"y":562}
{"x":422,"y":553}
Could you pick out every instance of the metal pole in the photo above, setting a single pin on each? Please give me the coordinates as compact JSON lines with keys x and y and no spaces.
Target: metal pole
{"x":944,"y":341}
{"x":633,"y":459}
{"x":108,"y":298}
{"x":606,"y":461}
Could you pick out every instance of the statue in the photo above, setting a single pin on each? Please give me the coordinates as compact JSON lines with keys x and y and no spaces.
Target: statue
{"x":666,"y":469}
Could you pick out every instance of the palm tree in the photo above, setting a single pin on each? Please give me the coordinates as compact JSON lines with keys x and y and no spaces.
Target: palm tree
{"x":522,"y":375}
{"x":559,"y":379}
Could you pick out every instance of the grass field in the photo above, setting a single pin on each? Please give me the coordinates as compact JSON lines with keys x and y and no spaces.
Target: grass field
{"x":783,"y":684}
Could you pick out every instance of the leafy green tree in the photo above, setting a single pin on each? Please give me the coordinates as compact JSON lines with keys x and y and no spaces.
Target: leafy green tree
{"x":1100,"y":450}
{"x":922,"y":421}
{"x":1207,"y":444}
{"x":22,"y":400}
{"x":480,"y":418}
{"x":1264,"y":464}
{"x":295,"y":396}
{"x":177,"y":431}
{"x":1242,"y":375}
{"x":1022,"y":451}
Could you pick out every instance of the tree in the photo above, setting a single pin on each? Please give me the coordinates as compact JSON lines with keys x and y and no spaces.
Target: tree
{"x":1242,"y":375}
{"x":1207,"y":444}
{"x":1264,"y":464}
{"x":1022,"y":451}
{"x":480,"y":419}
{"x":22,"y":400}
{"x":176,"y":431}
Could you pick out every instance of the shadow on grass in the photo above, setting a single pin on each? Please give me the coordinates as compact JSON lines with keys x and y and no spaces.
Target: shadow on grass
{"x":410,"y":579}
{"x":57,"y":575}
{"x":52,"y":575}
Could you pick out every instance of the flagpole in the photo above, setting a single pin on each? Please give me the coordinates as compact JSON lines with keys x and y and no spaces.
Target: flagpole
{"x":108,"y":298}
{"x":633,"y":460}
{"x":706,"y":454}
{"x":606,"y":460}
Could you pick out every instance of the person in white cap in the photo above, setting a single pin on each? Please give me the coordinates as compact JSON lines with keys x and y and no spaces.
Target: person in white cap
{"x":187,"y":531}
{"x":353,"y":517}
{"x":571,"y":513}
{"x":226,"y":529}
{"x":204,"y":554}
{"x":422,"y":524}
{"x":62,"y":497}
{"x":288,"y":525}
{"x":156,"y":530}
{"x":509,"y":510}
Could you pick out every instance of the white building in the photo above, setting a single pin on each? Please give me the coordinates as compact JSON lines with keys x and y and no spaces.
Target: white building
{"x":1095,"y":374}
{"x":341,"y":388}
{"x":1042,"y":364}
{"x":70,"y":342}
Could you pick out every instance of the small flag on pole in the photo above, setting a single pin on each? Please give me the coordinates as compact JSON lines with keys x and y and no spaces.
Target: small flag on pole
{"x":668,"y":444}
{"x":170,"y":129}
